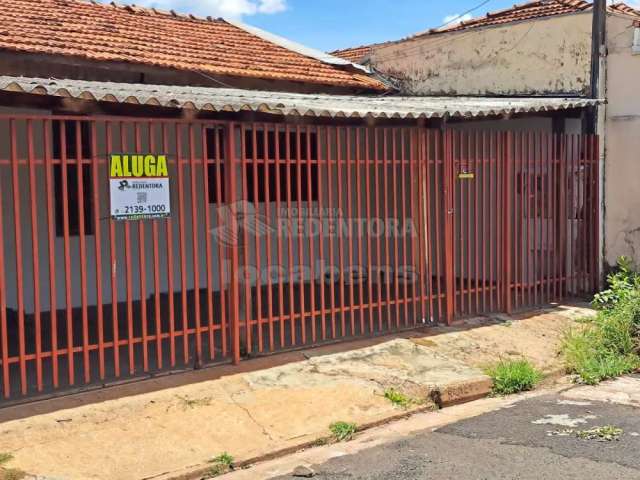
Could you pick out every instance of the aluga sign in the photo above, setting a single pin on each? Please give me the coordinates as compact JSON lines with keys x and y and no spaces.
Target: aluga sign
{"x":139,"y":186}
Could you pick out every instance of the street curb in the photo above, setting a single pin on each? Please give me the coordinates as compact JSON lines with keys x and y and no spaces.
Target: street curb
{"x":442,"y":396}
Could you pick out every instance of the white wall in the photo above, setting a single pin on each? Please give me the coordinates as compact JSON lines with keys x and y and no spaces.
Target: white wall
{"x":542,"y":56}
{"x":622,"y":188}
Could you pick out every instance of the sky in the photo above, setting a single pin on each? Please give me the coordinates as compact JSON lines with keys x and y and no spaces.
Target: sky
{"x":331,"y":24}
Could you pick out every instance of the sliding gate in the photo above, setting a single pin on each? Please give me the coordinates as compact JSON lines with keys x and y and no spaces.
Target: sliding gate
{"x":278,"y":237}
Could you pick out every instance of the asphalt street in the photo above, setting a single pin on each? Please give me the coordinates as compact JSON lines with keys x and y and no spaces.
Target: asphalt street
{"x":538,"y":438}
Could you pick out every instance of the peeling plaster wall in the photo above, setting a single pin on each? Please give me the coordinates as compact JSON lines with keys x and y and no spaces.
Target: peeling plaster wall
{"x":545,"y":56}
{"x":622,"y":167}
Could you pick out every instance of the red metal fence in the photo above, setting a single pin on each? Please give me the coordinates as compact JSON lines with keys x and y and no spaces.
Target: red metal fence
{"x":281,"y":236}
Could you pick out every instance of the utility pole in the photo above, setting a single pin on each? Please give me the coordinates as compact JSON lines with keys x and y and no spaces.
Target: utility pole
{"x":598,"y":44}
{"x":596,"y":115}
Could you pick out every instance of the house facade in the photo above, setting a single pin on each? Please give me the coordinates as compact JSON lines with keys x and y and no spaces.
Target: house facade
{"x":172,"y":202}
{"x":541,"y":48}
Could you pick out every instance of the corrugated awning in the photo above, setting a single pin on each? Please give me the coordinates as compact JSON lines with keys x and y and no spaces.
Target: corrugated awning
{"x":282,"y":103}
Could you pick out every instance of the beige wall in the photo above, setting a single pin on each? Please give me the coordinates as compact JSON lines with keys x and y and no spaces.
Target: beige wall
{"x":546,"y":56}
{"x":622,"y":167}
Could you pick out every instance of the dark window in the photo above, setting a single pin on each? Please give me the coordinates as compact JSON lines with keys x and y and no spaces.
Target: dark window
{"x":282,"y":145}
{"x":284,"y":170}
{"x":72,"y":199}
{"x":292,"y":169}
{"x":215,"y":154}
{"x":71,"y":139}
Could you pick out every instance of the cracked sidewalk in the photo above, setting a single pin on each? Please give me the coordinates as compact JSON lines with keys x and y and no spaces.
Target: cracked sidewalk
{"x":171,"y":433}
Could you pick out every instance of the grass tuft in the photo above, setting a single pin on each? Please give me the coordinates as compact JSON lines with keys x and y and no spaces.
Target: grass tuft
{"x":513,"y":376}
{"x":5,"y":458}
{"x":397,"y":398}
{"x":343,"y":431}
{"x":220,"y":465}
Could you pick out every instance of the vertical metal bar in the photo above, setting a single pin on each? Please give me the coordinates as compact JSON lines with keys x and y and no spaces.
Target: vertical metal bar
{"x":449,"y":195}
{"x":376,"y":195}
{"x":492,"y":166}
{"x":278,"y":176}
{"x":170,"y":266}
{"x":322,"y":216}
{"x":248,"y":315}
{"x":83,"y":253}
{"x":301,"y":263}
{"x":417,"y":158}
{"x":15,"y":172}
{"x":439,"y":215}
{"x":521,"y":219}
{"x":142,"y":266}
{"x":547,"y":168}
{"x":468,"y":161}
{"x":207,"y":237}
{"x":114,"y":277}
{"x":256,"y":201}
{"x":193,"y":165}
{"x":424,"y":235}
{"x":507,"y":218}
{"x":476,"y":216}
{"x":367,"y":232}
{"x":222,"y":271}
{"x":156,"y":268}
{"x":483,"y":223}
{"x":67,"y":253}
{"x":336,"y":218}
{"x":385,"y":189}
{"x":51,"y":225}
{"x":359,"y":233}
{"x":402,"y":170}
{"x":128,"y":266}
{"x":312,"y":259}
{"x":289,"y":186}
{"x":267,"y":213}
{"x":339,"y":185}
{"x":348,"y":161}
{"x":234,"y":278}
{"x":396,"y":214}
{"x":4,"y":331}
{"x":35,"y":253}
{"x":182,"y":246}
{"x":97,"y":231}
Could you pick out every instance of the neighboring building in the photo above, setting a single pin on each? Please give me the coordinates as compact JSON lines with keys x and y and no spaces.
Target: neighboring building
{"x":307,"y":202}
{"x":542,"y":48}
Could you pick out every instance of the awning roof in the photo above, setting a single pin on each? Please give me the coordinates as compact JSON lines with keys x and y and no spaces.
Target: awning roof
{"x":282,"y":103}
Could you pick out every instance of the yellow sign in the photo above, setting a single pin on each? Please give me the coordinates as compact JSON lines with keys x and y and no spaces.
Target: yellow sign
{"x":138,"y":166}
{"x":466,"y":176}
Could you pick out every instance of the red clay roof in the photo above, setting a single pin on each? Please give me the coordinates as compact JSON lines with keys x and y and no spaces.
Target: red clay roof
{"x":517,"y":13}
{"x":354,"y":54}
{"x":151,"y":37}
{"x":624,"y":8}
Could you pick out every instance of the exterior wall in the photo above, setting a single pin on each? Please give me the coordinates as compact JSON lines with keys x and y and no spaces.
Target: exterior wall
{"x":622,"y":187}
{"x":545,"y":56}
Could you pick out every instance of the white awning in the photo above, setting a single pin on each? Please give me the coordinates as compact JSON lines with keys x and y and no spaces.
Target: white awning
{"x":283,"y":103}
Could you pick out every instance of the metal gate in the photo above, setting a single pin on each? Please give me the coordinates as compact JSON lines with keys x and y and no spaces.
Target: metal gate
{"x":281,"y":236}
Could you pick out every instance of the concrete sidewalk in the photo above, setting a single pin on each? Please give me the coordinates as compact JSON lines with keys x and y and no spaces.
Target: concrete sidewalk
{"x":172,"y":433}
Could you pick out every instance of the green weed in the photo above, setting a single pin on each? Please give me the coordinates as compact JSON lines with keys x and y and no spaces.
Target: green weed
{"x":512,"y":376}
{"x":221,"y":464}
{"x":397,"y":398}
{"x":342,"y":431}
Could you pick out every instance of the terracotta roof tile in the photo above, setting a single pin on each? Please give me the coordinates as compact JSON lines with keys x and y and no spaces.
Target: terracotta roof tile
{"x":624,"y":8}
{"x":355,"y":54}
{"x":152,"y":37}
{"x":517,"y":13}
